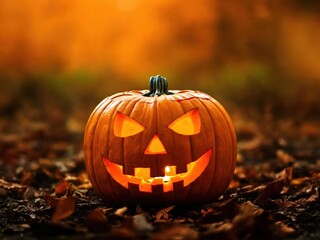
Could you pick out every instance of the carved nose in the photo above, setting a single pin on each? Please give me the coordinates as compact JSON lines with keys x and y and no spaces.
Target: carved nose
{"x":155,"y":146}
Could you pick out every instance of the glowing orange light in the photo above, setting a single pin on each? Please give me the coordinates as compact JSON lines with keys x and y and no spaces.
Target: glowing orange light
{"x":170,"y":170}
{"x":126,"y":5}
{"x":155,"y":146}
{"x":145,"y":182}
{"x":125,"y":126}
{"x":188,"y":124}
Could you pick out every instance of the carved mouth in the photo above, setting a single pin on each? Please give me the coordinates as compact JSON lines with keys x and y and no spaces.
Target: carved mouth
{"x":145,"y":182}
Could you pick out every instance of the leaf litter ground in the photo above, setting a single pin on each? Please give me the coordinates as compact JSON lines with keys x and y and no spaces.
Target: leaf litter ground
{"x":45,"y":192}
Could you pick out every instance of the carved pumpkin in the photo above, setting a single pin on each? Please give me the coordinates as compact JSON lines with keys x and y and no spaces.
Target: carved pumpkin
{"x":160,"y":147}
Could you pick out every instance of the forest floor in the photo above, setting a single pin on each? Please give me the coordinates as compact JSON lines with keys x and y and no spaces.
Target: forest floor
{"x":45,"y":192}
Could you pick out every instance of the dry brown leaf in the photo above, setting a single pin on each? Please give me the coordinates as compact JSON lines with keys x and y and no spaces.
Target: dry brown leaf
{"x":274,"y":188}
{"x":85,"y":186}
{"x":245,"y":219}
{"x":221,"y":230}
{"x":286,"y":175}
{"x":284,"y":157}
{"x":61,"y":188}
{"x":298,"y":181}
{"x":265,"y":202}
{"x":313,"y":198}
{"x":96,"y":221}
{"x":52,"y":202}
{"x":121,"y":211}
{"x":163,"y":214}
{"x":64,"y":209}
{"x":122,"y":233}
{"x":27,"y":178}
{"x":233,"y":184}
{"x":176,"y":232}
{"x":11,"y":186}
{"x":72,"y":189}
{"x":284,"y":229}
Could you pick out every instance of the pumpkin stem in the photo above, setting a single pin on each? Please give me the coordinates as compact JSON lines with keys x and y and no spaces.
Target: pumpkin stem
{"x":158,"y":86}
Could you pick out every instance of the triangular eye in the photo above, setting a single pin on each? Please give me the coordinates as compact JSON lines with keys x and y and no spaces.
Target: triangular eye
{"x":188,"y":124}
{"x":125,"y":126}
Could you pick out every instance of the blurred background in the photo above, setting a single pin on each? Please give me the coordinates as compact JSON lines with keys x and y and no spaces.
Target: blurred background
{"x":259,"y":58}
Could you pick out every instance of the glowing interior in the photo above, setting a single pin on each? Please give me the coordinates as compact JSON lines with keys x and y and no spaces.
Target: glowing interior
{"x":188,"y":124}
{"x":155,"y":146}
{"x":142,"y":175}
{"x":125,"y":126}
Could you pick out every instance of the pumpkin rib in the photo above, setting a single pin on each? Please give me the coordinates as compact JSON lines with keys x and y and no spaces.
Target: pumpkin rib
{"x":102,"y":188}
{"x":97,"y":187}
{"x":89,"y":123}
{"x":232,"y":134}
{"x":114,"y":184}
{"x":110,"y":131}
{"x":136,"y":105}
{"x":178,"y":103}
{"x":191,"y":153}
{"x":101,"y":171}
{"x":213,"y":147}
{"x":219,"y":160}
{"x":231,"y":159}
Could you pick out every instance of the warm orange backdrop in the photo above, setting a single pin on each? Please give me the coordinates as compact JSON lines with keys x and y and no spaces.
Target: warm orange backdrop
{"x":249,"y":51}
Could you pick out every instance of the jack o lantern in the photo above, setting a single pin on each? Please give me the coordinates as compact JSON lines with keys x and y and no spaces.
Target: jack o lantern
{"x":158,"y":147}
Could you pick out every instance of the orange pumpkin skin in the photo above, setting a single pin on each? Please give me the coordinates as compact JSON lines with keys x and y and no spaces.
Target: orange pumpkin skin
{"x":174,"y":148}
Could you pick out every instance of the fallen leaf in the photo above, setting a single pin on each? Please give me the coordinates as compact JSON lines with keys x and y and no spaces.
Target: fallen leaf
{"x":11,"y":186}
{"x":65,"y":208}
{"x":283,"y":229}
{"x":286,"y":174}
{"x":122,"y":233}
{"x":61,"y":188}
{"x":85,"y":186}
{"x":121,"y":211}
{"x":52,"y":202}
{"x":27,"y":178}
{"x":313,"y":198}
{"x":284,"y":157}
{"x":274,"y":188}
{"x":222,"y":230}
{"x":233,"y":184}
{"x":244,"y":221}
{"x":96,"y":221}
{"x":163,"y":214}
{"x":265,"y":202}
{"x":298,"y":181}
{"x":176,"y":233}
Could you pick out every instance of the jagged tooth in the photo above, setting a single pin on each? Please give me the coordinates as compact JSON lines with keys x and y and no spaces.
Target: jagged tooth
{"x":170,"y":170}
{"x":157,"y":181}
{"x":135,"y":180}
{"x":145,"y":187}
{"x":167,"y":187}
{"x":143,"y":173}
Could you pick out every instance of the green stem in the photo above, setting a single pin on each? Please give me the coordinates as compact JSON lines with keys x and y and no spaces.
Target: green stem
{"x":158,"y":86}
